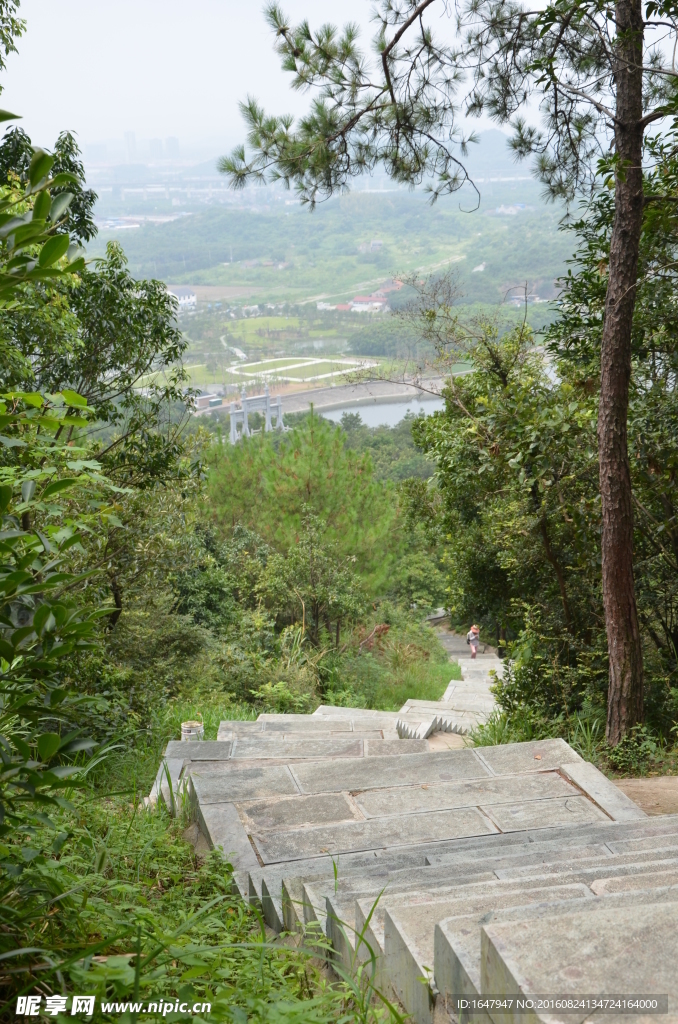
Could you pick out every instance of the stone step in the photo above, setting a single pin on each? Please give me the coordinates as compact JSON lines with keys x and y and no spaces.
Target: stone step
{"x":403,"y":829}
{"x":312,"y":748}
{"x":402,"y":927}
{"x":405,"y":880}
{"x":499,"y":849}
{"x":357,"y":714}
{"x":457,"y":954}
{"x":424,"y":707}
{"x":406,"y":964}
{"x":363,"y":875}
{"x":573,"y":872}
{"x":312,"y":727}
{"x":416,"y":727}
{"x":644,"y":832}
{"x":615,"y":950}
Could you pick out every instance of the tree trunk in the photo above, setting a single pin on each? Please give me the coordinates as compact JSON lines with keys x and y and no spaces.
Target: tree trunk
{"x":625,"y":694}
{"x":558,"y":571}
{"x":117,"y":599}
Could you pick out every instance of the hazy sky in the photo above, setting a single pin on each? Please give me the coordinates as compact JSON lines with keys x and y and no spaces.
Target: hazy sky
{"x":155,"y":67}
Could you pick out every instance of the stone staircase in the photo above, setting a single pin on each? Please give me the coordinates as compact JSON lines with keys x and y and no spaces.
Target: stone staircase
{"x":440,"y":857}
{"x":491,"y":871}
{"x":464,"y":705}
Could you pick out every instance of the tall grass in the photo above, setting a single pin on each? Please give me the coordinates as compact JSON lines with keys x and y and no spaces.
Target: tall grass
{"x":134,"y":915}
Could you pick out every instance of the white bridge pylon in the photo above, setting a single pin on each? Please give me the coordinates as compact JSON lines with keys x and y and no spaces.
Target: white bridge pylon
{"x":256,"y":403}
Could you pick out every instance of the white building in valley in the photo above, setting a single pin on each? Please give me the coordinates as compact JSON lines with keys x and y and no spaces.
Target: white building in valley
{"x":186,"y":297}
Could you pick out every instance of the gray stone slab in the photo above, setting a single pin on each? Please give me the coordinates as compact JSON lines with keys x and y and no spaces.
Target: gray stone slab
{"x":605,"y":793}
{"x":495,"y":889}
{"x":607,"y":832}
{"x":457,"y":939}
{"x":199,"y":750}
{"x":309,"y":724}
{"x":291,"y":812}
{"x":408,"y":943}
{"x":609,"y":950}
{"x":241,"y":784}
{"x":368,"y":835}
{"x":222,"y":826}
{"x":491,"y":892}
{"x":525,"y":856}
{"x":644,"y":842}
{"x":642,"y":880}
{"x":309,"y":747}
{"x":396,"y":746}
{"x":501,"y":848}
{"x":401,"y":882}
{"x":329,"y":710}
{"x":574,"y":810}
{"x":229,"y":730}
{"x":432,"y":797}
{"x":405,"y":770}
{"x":605,"y":863}
{"x":535,"y":756}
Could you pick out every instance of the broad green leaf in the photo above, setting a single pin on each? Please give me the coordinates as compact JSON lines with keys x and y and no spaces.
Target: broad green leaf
{"x":53,"y":250}
{"x":60,"y":205}
{"x":43,"y":619}
{"x":58,"y":485}
{"x":27,"y":490}
{"x":6,"y":491}
{"x":22,"y":747}
{"x":6,"y":116}
{"x":19,"y":635}
{"x":63,"y":178}
{"x":40,"y":166}
{"x":42,"y":206}
{"x":29,"y":397}
{"x":73,"y":398}
{"x":12,"y":442}
{"x":48,"y":744}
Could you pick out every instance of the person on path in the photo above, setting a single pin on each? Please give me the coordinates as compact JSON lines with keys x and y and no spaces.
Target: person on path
{"x":473,"y":639}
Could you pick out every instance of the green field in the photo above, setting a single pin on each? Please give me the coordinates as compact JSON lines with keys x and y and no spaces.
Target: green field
{"x":509,"y":245}
{"x":291,"y":370}
{"x":326,"y":254}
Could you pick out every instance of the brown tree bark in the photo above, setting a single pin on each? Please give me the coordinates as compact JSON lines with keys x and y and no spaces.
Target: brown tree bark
{"x":625,"y":693}
{"x":117,"y":599}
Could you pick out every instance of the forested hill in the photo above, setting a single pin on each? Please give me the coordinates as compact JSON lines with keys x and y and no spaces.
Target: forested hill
{"x":280,"y":251}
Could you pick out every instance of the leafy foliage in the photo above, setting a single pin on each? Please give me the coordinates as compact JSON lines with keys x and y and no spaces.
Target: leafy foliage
{"x":16,"y":153}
